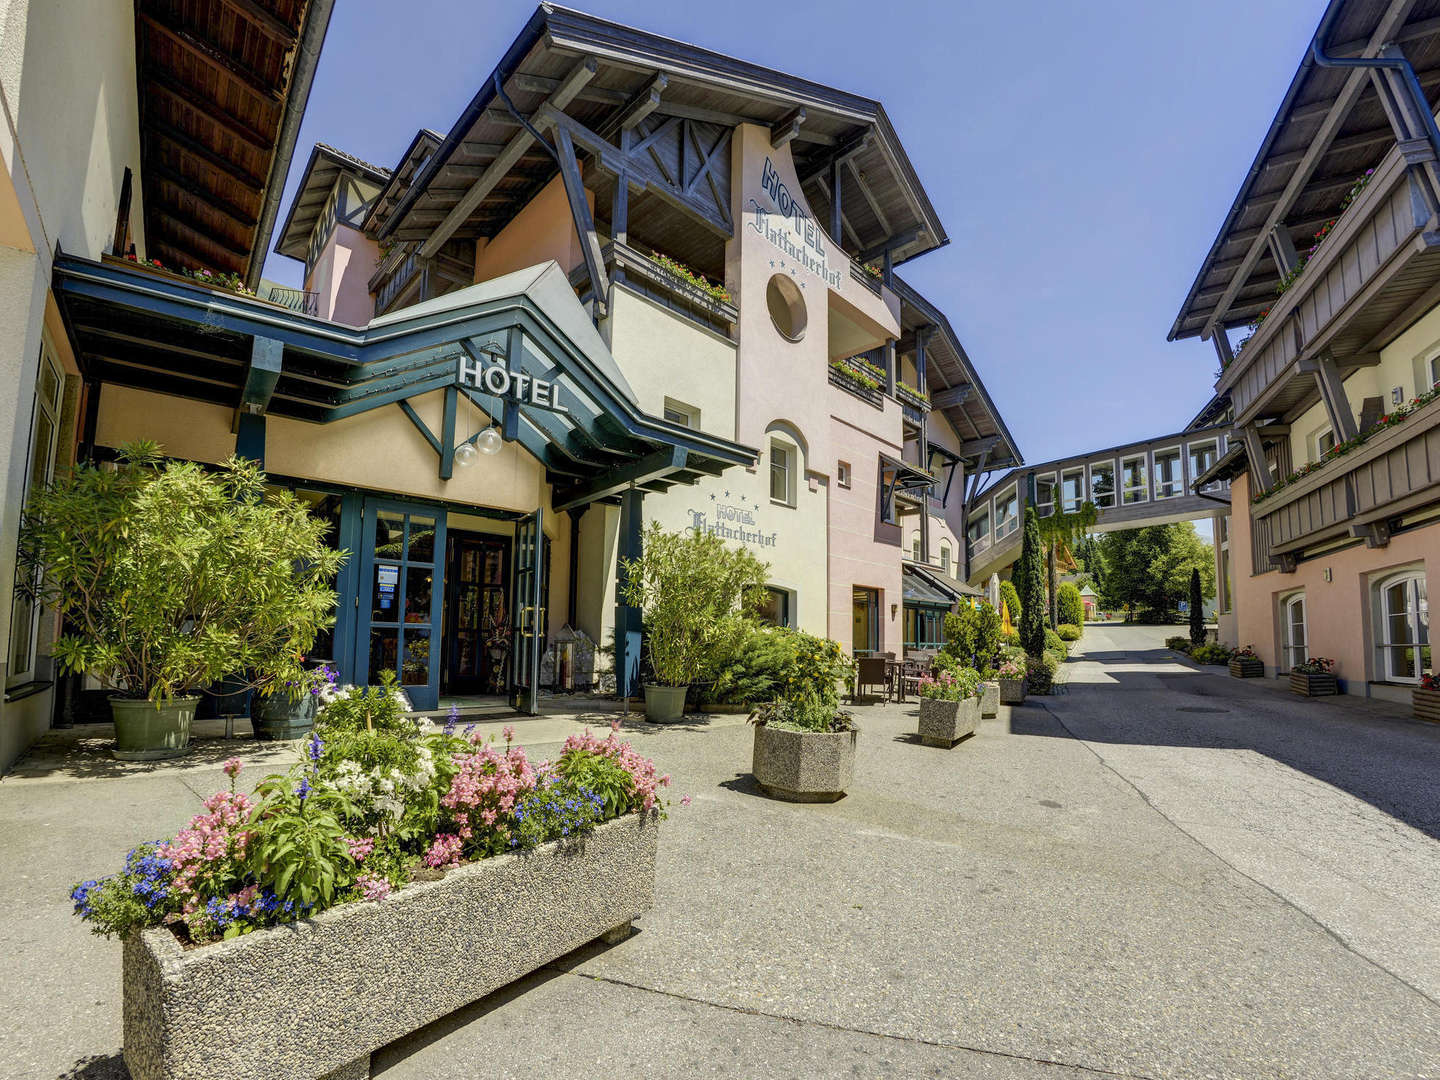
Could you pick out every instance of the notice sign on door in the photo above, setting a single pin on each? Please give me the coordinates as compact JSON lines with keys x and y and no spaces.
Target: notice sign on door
{"x":386,"y":578}
{"x":515,"y":385}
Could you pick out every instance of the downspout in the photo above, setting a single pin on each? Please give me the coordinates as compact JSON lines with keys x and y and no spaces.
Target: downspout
{"x":1409,"y":79}
{"x":302,"y":77}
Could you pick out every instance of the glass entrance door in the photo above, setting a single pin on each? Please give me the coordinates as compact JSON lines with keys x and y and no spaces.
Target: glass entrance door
{"x":477,"y":613}
{"x":527,"y":614}
{"x":401,"y":589}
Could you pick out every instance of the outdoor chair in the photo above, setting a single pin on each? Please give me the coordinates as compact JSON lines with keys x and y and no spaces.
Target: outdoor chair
{"x":871,"y":671}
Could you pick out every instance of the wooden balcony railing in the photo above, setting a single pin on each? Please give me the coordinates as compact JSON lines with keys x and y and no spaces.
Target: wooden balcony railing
{"x":394,"y":284}
{"x":639,"y":272}
{"x":849,"y":375}
{"x":1395,"y":471}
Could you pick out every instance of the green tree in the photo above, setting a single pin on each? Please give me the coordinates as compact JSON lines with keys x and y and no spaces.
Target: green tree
{"x":1197,"y":619}
{"x":1149,"y":569}
{"x":1069,"y":607}
{"x":1031,"y":587}
{"x":1067,"y":530}
{"x":1011,"y":599}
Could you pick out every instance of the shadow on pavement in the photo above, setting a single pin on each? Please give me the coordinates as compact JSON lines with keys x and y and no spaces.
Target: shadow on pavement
{"x":97,"y":1067}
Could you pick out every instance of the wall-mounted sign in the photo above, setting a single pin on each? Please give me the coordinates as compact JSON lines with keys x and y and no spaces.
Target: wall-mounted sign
{"x":733,"y":523}
{"x":786,"y":225}
{"x":500,"y":381}
{"x":386,"y":578}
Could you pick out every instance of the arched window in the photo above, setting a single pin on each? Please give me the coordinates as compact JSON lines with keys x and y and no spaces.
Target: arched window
{"x":945,"y":556}
{"x":1404,"y":631}
{"x":1296,"y":638}
{"x":915,"y":547}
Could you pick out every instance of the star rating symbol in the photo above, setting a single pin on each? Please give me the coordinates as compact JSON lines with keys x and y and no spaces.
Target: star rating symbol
{"x":727,"y":494}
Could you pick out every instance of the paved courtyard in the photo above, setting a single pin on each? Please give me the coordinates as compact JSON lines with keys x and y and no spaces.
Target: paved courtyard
{"x":1161,"y":872}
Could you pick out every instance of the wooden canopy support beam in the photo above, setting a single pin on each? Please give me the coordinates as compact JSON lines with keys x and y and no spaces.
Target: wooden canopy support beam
{"x":979,"y":446}
{"x":584,"y":220}
{"x":950,"y":396}
{"x":180,"y":140}
{"x":1332,"y":392}
{"x":266,"y":360}
{"x":856,"y":144}
{"x":645,"y":102}
{"x":651,"y":467}
{"x":514,"y":150}
{"x":213,"y":57}
{"x":1255,"y":455}
{"x":868,"y":195}
{"x":787,"y":127}
{"x":214,"y":202}
{"x":891,"y":244}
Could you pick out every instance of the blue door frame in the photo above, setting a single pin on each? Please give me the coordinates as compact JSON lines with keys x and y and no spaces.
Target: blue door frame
{"x":399,"y":596}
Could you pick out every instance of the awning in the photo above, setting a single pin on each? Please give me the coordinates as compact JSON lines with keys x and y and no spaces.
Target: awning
{"x":899,"y":477}
{"x":520,"y":347}
{"x":920,"y":590}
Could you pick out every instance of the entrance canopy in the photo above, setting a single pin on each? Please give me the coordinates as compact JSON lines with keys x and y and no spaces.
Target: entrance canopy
{"x":520,"y":347}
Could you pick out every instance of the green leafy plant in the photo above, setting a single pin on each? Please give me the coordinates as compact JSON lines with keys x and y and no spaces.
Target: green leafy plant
{"x":171,"y":576}
{"x":1069,"y":608}
{"x":753,"y":670}
{"x":684,"y":273}
{"x":972,"y":634}
{"x":809,"y":699}
{"x":1055,"y":645}
{"x":848,"y":371}
{"x":1178,"y":643}
{"x":1032,"y":587}
{"x":1315,"y":665}
{"x":696,"y":594}
{"x":1210,"y":654}
{"x":1010,"y":597}
{"x":1067,"y":632}
{"x":1040,"y":672}
{"x":951,"y":684}
{"x":298,"y":843}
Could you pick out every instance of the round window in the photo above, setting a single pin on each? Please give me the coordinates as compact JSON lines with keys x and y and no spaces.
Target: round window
{"x":787,"y":307}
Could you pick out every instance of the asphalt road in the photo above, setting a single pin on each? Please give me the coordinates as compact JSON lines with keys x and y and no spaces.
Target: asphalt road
{"x":1161,"y":872}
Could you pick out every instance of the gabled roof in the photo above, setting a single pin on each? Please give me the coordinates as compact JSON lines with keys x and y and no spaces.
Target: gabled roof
{"x":883,"y":199}
{"x":1330,"y":128}
{"x":326,"y":166}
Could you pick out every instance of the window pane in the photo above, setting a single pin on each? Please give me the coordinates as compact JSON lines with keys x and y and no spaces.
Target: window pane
{"x":22,"y":634}
{"x":422,"y":539}
{"x":1167,"y":473}
{"x":779,"y":473}
{"x":416,"y":671}
{"x":40,"y":451}
{"x":1201,"y":458}
{"x":385,"y":593}
{"x":1072,"y":490}
{"x":382,"y":653}
{"x":417,"y":594}
{"x":1133,"y":473}
{"x":1102,"y":484}
{"x":49,"y":386}
{"x":389,"y":534}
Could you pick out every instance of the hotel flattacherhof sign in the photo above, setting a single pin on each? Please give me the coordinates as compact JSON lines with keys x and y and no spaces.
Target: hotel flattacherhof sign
{"x":733,"y":521}
{"x":500,"y":381}
{"x":786,"y":224}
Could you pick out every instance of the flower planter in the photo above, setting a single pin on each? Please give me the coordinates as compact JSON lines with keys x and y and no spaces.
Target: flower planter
{"x":1012,"y":691}
{"x":315,"y":998}
{"x":1313,"y":685}
{"x":803,"y":766}
{"x":989,"y":700}
{"x":145,"y":731}
{"x":1247,"y":667}
{"x":278,"y":717}
{"x":664,"y":704}
{"x":1426,"y":704}
{"x":943,"y":723}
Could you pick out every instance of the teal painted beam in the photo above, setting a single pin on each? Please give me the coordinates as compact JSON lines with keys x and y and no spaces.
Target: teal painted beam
{"x":421,"y":426}
{"x":651,"y":467}
{"x":447,"y":435}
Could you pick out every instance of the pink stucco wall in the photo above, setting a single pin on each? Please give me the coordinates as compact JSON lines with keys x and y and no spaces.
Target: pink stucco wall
{"x":1340,"y":623}
{"x":342,"y":274}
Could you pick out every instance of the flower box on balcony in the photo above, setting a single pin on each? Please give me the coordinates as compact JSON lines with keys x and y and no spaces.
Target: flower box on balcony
{"x":1247,"y":667}
{"x":1426,"y":704}
{"x":315,"y":998}
{"x":1311,"y":685}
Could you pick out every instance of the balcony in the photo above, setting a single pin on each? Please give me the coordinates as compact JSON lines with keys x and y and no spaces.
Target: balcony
{"x":870,"y":280}
{"x":1352,"y":299}
{"x":397,"y":273}
{"x":1393,"y":472}
{"x":638,"y":271}
{"x":857,"y":377}
{"x":304,"y":301}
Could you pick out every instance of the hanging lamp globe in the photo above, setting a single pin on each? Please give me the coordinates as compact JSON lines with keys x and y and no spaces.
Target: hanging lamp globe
{"x":466,"y":454}
{"x":489,"y":441}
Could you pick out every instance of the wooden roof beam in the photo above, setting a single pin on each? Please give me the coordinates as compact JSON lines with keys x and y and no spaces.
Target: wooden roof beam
{"x":177,"y":138}
{"x":869,"y":196}
{"x":645,"y":102}
{"x":843,"y":152}
{"x":214,"y":57}
{"x":1355,"y":83}
{"x":729,"y":119}
{"x":160,"y":81}
{"x":787,"y":127}
{"x":891,"y":243}
{"x":563,"y":94}
{"x":954,"y":395}
{"x":265,"y":21}
{"x":220,"y":206}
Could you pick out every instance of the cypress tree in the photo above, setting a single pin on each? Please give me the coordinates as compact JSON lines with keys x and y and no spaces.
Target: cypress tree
{"x":1197,"y":622}
{"x":1031,"y":585}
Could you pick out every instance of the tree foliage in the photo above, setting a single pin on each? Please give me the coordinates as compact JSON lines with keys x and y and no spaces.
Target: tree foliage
{"x":972,"y":635}
{"x":1070,"y":608}
{"x":1011,"y":599}
{"x":1149,"y":569}
{"x":1031,"y":586}
{"x":172,"y":576}
{"x":1197,"y":617}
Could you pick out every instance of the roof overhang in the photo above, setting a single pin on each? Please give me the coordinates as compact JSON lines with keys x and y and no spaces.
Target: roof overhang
{"x":134,"y":327}
{"x":922,"y":589}
{"x":324,"y":169}
{"x":222,"y":88}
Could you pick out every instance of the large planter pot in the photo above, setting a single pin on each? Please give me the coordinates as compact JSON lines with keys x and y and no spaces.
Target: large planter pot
{"x":1426,"y":704}
{"x":1247,"y":667}
{"x":1313,"y":685}
{"x":1012,"y":691}
{"x":943,"y":723}
{"x":315,"y":998}
{"x":989,"y":700}
{"x":803,"y":766}
{"x":664,"y":704}
{"x":278,"y":717}
{"x":145,"y":731}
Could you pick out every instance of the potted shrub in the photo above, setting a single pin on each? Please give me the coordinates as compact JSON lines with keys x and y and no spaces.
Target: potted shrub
{"x":695,"y":593}
{"x":804,"y":748}
{"x":170,"y":577}
{"x":343,"y":878}
{"x":1245,"y":664}
{"x":1040,"y":672}
{"x":1011,"y":676}
{"x":949,"y":706}
{"x":1426,"y":698}
{"x":1314,"y":678}
{"x":287,"y":710}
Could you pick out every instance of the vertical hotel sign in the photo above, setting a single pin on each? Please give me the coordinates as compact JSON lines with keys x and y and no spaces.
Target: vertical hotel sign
{"x":787,"y":226}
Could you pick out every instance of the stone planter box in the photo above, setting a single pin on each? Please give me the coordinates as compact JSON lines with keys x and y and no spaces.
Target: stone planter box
{"x":315,"y":998}
{"x":1247,"y":667}
{"x":1313,"y":685}
{"x":1426,"y":704}
{"x":943,"y":723}
{"x":1012,"y":691}
{"x":803,"y":766}
{"x":989,"y":700}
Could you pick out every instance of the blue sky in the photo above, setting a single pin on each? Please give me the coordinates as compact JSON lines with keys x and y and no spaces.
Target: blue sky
{"x":1081,"y":157}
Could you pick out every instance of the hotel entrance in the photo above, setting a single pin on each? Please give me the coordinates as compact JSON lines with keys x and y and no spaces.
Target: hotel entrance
{"x":477,"y":614}
{"x":401,"y":603}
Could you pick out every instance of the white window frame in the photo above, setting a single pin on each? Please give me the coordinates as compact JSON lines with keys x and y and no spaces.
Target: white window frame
{"x":843,"y":473}
{"x":1128,"y":494}
{"x":1317,"y":445}
{"x":1213,"y":445}
{"x":684,"y":415}
{"x":1294,"y":652}
{"x":915,"y":547}
{"x":1417,"y":619}
{"x":945,"y":563}
{"x":1005,"y":527}
{"x":790,"y":459}
{"x":1043,"y":508}
{"x":1433,"y":370}
{"x":1114,"y":484}
{"x":29,"y":635}
{"x":1179,"y":481}
{"x":1066,"y":504}
{"x":981,"y":540}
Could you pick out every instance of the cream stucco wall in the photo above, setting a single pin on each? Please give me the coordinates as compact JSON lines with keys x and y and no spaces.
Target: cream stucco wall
{"x":541,"y":231}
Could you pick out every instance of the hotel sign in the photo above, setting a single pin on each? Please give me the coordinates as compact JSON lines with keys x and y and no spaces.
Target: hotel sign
{"x":733,"y":523}
{"x":790,"y":228}
{"x":514,"y":386}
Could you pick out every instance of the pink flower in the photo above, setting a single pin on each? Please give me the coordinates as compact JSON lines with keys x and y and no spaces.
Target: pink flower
{"x":509,"y":732}
{"x":444,"y":852}
{"x":685,"y":800}
{"x":232,"y":767}
{"x":373,"y":887}
{"x":360,"y":848}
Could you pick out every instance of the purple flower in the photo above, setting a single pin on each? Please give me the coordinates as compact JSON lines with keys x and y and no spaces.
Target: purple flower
{"x":316,"y":747}
{"x":304,"y":789}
